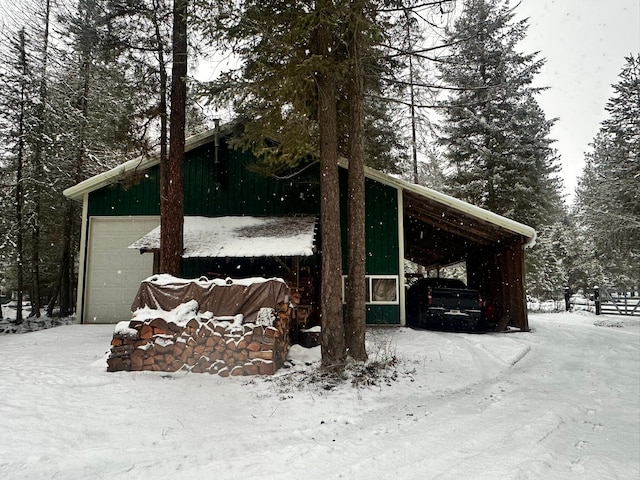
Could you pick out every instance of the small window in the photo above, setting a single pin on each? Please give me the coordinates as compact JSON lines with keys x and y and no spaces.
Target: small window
{"x":381,"y":289}
{"x":384,"y":289}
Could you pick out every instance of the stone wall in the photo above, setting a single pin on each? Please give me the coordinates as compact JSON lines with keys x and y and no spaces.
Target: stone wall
{"x":223,"y":347}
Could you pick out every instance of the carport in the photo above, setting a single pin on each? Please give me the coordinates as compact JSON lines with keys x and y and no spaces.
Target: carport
{"x":440,"y":230}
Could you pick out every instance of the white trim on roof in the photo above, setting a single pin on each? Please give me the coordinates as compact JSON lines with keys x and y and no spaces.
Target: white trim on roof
{"x":455,"y":203}
{"x":103,"y":179}
{"x":78,"y":191}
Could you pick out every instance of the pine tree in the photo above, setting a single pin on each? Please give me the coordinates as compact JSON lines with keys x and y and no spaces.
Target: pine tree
{"x":100,"y":122}
{"x":172,"y":200}
{"x":286,"y":93}
{"x":289,"y":63}
{"x":608,"y":192}
{"x":580,"y":261}
{"x":42,"y":119}
{"x":495,"y":136}
{"x":17,"y":80}
{"x":143,"y":34}
{"x":371,"y":30}
{"x":355,"y":318}
{"x":421,"y":48}
{"x":91,"y":102}
{"x":25,"y":98}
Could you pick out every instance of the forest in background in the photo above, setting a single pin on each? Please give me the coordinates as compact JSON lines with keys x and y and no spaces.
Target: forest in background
{"x":447,"y":102}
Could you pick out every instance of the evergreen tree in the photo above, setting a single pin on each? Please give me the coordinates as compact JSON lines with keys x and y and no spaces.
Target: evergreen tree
{"x":355,"y":319}
{"x":546,"y":272}
{"x":25,"y":107}
{"x":93,"y":130}
{"x":91,"y":101}
{"x":581,"y":263}
{"x":563,"y":256}
{"x":80,"y":123}
{"x":495,"y":136}
{"x":140,"y":30}
{"x":146,"y":46}
{"x":18,"y":86}
{"x":608,"y":192}
{"x":290,"y":62}
{"x":172,"y":200}
{"x":287,"y":92}
{"x":421,"y":49}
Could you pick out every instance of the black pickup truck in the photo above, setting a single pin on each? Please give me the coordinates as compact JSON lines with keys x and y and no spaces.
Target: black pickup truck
{"x":444,"y":304}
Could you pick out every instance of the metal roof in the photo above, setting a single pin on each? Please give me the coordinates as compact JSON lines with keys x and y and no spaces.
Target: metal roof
{"x":438,"y":229}
{"x":441,"y":230}
{"x":415,"y":194}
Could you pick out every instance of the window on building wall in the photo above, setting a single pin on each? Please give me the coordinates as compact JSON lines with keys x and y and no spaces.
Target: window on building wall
{"x":381,"y":289}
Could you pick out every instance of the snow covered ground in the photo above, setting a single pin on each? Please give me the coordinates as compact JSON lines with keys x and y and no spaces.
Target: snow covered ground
{"x":560,"y":402}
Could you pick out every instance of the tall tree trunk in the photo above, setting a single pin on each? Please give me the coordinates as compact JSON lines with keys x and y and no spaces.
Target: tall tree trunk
{"x":162,"y":101}
{"x":172,"y":208}
{"x":36,"y":293}
{"x":56,"y":290}
{"x":412,"y":106}
{"x":332,"y":337}
{"x":38,"y":171}
{"x":19,"y":194}
{"x":65,"y":291}
{"x":356,"y":284}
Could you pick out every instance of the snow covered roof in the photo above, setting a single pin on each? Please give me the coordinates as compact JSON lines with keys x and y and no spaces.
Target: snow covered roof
{"x":216,"y":237}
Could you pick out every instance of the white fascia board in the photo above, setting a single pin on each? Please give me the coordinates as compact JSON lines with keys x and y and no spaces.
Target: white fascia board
{"x":455,"y":203}
{"x":78,"y":191}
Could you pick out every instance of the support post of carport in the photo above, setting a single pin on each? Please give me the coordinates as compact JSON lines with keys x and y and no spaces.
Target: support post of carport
{"x":499,"y":276}
{"x":511,"y":261}
{"x":401,"y":278}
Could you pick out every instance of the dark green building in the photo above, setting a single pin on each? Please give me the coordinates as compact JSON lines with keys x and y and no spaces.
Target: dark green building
{"x":240,"y":224}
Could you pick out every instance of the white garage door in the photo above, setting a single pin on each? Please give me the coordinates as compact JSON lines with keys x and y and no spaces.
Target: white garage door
{"x":114,"y":272}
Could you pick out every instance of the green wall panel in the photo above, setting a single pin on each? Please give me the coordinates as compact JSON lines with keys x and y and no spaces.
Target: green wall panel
{"x":213,"y":189}
{"x":381,"y":242}
{"x":228,"y":187}
{"x":137,"y":195}
{"x":381,"y":226}
{"x":381,"y":229}
{"x":383,"y":315}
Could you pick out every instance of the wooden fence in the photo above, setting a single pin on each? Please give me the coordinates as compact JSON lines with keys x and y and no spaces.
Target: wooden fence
{"x":608,"y":303}
{"x":620,"y":305}
{"x":604,"y":302}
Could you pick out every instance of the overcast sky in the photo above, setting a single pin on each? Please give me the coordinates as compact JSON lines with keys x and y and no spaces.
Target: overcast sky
{"x":584,"y":43}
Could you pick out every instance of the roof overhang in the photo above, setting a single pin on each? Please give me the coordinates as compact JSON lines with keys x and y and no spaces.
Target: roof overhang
{"x":139,"y":164}
{"x":465,"y":209}
{"x":440,"y":230}
{"x":238,"y":237}
{"x":438,"y":234}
